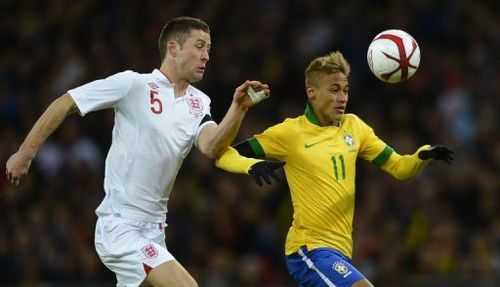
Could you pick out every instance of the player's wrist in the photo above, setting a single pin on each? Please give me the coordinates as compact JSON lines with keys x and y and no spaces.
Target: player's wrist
{"x":239,"y":107}
{"x":27,"y":152}
{"x":422,"y":152}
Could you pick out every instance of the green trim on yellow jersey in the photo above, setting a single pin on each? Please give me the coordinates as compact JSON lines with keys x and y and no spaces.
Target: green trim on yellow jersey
{"x":257,"y":148}
{"x":383,"y":157}
{"x":310,"y":115}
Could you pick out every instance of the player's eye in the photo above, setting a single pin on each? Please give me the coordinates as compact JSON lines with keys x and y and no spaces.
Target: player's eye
{"x":202,"y":46}
{"x":334,"y":90}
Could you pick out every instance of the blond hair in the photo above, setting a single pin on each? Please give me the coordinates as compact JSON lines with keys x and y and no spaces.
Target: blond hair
{"x":332,"y":63}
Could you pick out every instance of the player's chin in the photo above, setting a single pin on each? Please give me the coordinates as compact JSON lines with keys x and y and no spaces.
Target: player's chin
{"x":196,"y":77}
{"x":338,"y":114}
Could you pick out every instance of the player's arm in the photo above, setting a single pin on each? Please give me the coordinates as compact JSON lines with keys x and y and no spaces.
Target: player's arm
{"x":231,"y":161}
{"x":238,"y":158}
{"x":244,"y":156}
{"x":213,"y":139}
{"x":403,"y":167}
{"x":260,"y":170}
{"x":399,"y":166}
{"x":19,"y":163}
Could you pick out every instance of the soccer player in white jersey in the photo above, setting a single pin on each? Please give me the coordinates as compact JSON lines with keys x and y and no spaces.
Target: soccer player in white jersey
{"x":158,"y":118}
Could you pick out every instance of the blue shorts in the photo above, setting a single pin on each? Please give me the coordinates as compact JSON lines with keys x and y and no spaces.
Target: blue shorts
{"x":322,"y":267}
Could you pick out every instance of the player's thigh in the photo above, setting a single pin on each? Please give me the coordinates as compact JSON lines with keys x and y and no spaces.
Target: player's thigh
{"x":170,"y":274}
{"x":130,"y":249}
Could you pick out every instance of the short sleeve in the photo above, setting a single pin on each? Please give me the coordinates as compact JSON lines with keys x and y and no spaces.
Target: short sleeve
{"x":372,"y":148}
{"x":273,"y":142}
{"x":207,"y":117}
{"x":102,"y":94}
{"x":206,"y":120}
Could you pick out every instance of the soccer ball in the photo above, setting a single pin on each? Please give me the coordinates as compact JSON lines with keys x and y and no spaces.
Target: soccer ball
{"x":393,"y":56}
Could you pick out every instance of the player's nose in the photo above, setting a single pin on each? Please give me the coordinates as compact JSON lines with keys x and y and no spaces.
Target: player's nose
{"x":342,"y":97}
{"x":205,"y":56}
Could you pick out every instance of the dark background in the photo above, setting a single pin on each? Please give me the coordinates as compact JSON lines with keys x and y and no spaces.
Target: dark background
{"x":441,"y":228}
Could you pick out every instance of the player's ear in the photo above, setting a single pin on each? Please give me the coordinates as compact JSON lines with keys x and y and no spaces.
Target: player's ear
{"x":310,"y":91}
{"x":172,"y":47}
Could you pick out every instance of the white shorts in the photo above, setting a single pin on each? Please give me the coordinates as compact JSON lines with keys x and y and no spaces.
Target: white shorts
{"x":130,"y":249}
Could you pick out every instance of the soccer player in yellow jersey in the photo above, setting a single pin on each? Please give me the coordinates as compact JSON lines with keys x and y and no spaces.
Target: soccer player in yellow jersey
{"x":320,"y":149}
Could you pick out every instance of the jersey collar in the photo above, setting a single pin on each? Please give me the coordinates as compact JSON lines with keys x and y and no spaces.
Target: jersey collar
{"x":309,"y":114}
{"x":161,"y":77}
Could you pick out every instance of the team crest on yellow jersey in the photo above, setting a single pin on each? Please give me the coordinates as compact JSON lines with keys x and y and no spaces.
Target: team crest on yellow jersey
{"x":349,"y":140}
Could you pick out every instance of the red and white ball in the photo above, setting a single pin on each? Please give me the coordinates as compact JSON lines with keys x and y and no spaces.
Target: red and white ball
{"x":393,"y":56}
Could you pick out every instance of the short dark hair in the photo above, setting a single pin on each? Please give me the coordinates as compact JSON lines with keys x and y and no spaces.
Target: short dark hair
{"x":179,"y":30}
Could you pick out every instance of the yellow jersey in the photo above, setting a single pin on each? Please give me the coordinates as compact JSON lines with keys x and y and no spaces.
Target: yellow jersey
{"x":320,"y":170}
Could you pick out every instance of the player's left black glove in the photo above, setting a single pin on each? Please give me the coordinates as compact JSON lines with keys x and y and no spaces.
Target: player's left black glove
{"x":264,"y":170}
{"x":437,"y":152}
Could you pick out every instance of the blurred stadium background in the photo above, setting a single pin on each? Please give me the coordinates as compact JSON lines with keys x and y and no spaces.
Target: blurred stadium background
{"x":441,"y":228}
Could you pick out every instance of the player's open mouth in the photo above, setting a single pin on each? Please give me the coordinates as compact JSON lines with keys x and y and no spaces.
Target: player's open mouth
{"x":340,"y":109}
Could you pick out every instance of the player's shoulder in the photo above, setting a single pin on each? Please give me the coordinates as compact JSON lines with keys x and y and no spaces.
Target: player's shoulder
{"x":355,"y":124}
{"x":129,"y":73}
{"x":127,"y":77}
{"x":292,"y":122}
{"x":289,"y":125}
{"x":154,"y":76}
{"x":352,"y":119}
{"x":286,"y":126}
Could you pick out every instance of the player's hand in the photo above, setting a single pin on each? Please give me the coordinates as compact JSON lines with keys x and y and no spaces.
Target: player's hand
{"x":241,"y":94}
{"x":17,"y":166}
{"x":437,"y":152}
{"x":265,"y":170}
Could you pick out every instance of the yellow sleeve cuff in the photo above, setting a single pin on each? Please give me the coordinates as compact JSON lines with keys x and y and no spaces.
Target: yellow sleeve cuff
{"x":232,"y":161}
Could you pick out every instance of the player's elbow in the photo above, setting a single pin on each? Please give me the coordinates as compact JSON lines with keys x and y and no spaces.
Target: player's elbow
{"x":209,"y":152}
{"x":209,"y":142}
{"x":402,"y":167}
{"x":405,"y":173}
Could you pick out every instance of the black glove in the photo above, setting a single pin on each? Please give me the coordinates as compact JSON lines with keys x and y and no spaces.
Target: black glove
{"x":437,"y":152}
{"x":265,"y":170}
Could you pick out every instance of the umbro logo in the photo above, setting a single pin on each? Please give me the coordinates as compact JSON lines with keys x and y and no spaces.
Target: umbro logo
{"x":153,"y":85}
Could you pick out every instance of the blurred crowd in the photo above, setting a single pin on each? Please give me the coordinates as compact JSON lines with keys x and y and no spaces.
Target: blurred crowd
{"x":442,"y":225}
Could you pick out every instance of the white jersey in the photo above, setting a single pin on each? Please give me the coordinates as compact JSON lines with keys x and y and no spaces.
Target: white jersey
{"x":152,"y":134}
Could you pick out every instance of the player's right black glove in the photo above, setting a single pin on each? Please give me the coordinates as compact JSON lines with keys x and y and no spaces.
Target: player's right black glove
{"x":264,"y":170}
{"x":437,"y":152}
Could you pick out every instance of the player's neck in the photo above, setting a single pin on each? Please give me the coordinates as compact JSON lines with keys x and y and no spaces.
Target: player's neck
{"x":324,"y":121}
{"x":180,"y":85}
